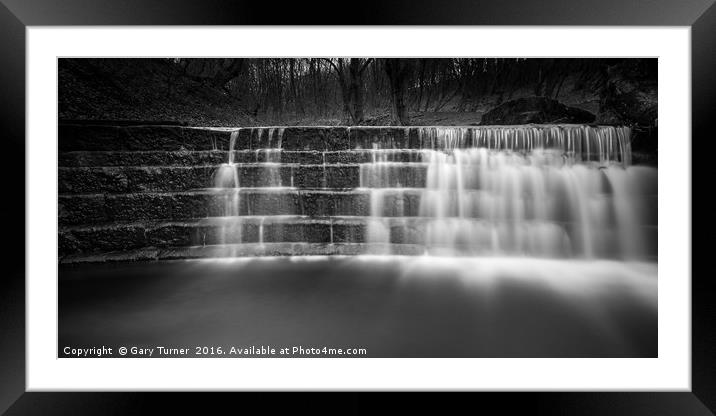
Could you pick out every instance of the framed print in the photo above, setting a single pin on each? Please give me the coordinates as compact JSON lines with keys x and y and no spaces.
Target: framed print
{"x":485,"y":199}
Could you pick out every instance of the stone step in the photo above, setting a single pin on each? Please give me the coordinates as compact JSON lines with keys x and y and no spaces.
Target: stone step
{"x":170,"y":138}
{"x":217,"y":157}
{"x":73,"y":137}
{"x":473,"y":234}
{"x":129,"y":179}
{"x":125,"y":179}
{"x":99,"y":208}
{"x":84,"y":137}
{"x":398,"y":202}
{"x":244,"y":250}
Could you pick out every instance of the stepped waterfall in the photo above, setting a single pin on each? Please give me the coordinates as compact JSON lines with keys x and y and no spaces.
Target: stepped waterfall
{"x":240,"y":207}
{"x":521,"y":241}
{"x":564,"y":191}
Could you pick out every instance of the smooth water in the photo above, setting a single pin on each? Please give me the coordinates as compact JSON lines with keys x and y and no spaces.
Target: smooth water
{"x":394,"y":306}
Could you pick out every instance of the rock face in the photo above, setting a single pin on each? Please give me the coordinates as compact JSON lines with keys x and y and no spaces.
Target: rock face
{"x":535,"y":110}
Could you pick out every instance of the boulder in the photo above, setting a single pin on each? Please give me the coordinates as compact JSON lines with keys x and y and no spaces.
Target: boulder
{"x":630,"y":95}
{"x":535,"y":110}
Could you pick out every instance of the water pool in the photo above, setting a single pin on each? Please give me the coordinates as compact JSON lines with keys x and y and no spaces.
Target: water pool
{"x":391,"y":306}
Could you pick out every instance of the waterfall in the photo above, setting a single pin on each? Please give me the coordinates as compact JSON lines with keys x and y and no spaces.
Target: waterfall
{"x":268,"y":178}
{"x":561,"y":191}
{"x":227,"y":180}
{"x":272,"y":158}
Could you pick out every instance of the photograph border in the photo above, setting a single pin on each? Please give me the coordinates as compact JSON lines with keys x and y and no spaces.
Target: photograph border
{"x":17,"y":14}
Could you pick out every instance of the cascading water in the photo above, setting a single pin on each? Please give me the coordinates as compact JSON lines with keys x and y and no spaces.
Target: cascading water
{"x":226,"y":180}
{"x":270,"y":157}
{"x":563,"y":191}
{"x":546,"y":191}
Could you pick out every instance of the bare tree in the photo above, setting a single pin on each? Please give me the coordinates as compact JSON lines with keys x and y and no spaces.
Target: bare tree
{"x":398,"y":71}
{"x":349,"y":73}
{"x":350,"y":89}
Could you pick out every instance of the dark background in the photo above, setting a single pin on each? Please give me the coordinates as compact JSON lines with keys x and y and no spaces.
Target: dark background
{"x":365,"y":91}
{"x":16,"y":14}
{"x":352,"y":91}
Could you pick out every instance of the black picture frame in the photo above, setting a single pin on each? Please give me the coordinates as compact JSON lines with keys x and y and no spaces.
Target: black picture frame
{"x":16,"y":15}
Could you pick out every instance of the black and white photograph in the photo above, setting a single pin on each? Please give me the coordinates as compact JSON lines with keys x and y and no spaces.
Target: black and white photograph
{"x":244,"y":198}
{"x":357,"y":207}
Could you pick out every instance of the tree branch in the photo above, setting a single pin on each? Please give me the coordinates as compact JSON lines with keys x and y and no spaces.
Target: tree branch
{"x":338,"y":73}
{"x":365,"y":65}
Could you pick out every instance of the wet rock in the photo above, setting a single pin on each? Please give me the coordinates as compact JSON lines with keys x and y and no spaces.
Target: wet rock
{"x":293,"y":138}
{"x":330,"y":203}
{"x":384,"y":137}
